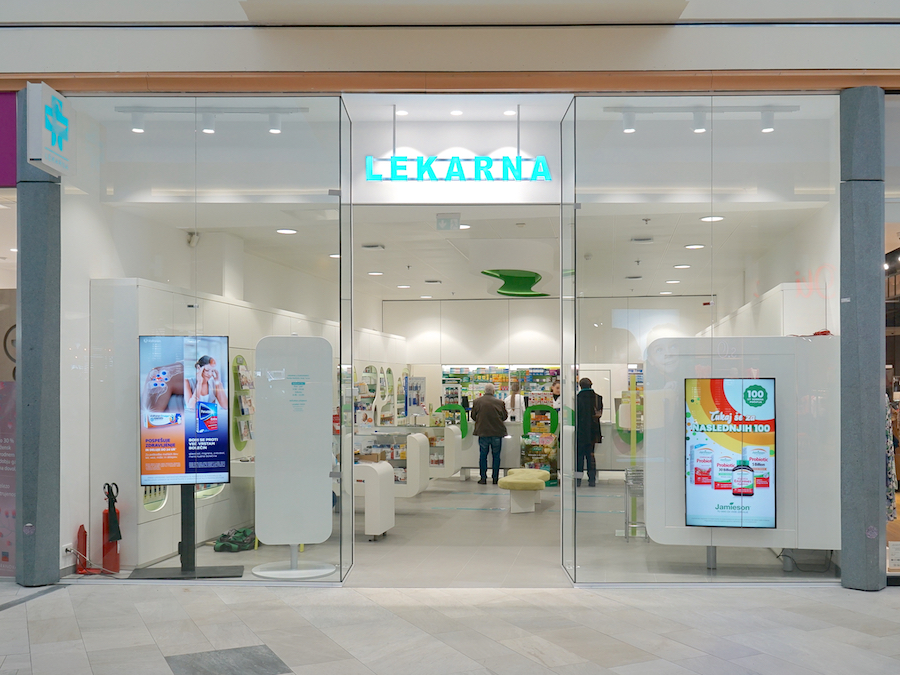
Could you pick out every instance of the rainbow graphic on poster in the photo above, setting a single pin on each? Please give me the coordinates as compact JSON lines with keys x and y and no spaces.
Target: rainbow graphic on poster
{"x":730,"y":452}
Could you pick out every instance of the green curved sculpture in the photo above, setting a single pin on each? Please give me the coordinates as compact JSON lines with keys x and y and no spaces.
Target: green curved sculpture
{"x":463,"y":417}
{"x":517,"y":283}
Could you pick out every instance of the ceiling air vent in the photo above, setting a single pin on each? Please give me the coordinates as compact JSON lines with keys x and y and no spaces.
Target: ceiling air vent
{"x":642,"y":240}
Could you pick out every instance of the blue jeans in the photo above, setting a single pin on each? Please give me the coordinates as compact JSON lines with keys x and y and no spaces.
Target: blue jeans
{"x":492,"y":444}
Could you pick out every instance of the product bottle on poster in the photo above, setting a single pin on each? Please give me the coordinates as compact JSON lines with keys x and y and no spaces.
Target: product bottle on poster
{"x":742,"y":479}
{"x":207,"y":417}
{"x":724,"y":463}
{"x":701,"y":464}
{"x":761,"y":462}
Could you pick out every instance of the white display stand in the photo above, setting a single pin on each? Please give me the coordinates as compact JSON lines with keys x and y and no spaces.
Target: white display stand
{"x":808,"y":434}
{"x":417,"y":466}
{"x":452,"y":451}
{"x":294,"y":383}
{"x":378,"y":491}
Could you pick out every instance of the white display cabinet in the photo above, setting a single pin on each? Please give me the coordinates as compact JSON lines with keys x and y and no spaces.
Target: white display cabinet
{"x":406,"y":449}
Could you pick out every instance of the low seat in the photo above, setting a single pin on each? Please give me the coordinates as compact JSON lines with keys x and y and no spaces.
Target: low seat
{"x":524,"y":490}
{"x":543,"y":474}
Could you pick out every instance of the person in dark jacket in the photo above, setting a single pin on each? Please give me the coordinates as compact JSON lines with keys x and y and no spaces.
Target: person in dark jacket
{"x":489,"y":412}
{"x":587,"y":430}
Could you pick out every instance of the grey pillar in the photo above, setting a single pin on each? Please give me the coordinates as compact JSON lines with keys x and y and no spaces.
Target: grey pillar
{"x":37,"y":370}
{"x":863,"y":466}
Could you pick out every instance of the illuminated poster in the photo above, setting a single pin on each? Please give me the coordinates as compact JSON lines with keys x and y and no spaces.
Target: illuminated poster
{"x":184,"y":410}
{"x":730,"y":452}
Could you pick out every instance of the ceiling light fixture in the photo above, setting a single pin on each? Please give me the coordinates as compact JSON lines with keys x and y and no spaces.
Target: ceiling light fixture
{"x":402,"y":113}
{"x":463,"y":226}
{"x":673,"y":281}
{"x":208,"y":125}
{"x":681,"y":267}
{"x":286,"y":231}
{"x":699,"y":122}
{"x":628,"y":123}
{"x":768,"y":121}
{"x":712,"y":219}
{"x":596,"y":325}
{"x":335,"y":255}
{"x":425,"y":297}
{"x":456,"y":113}
{"x":15,"y":250}
{"x":137,"y":122}
{"x":509,"y":113}
{"x":403,"y":286}
{"x":886,"y":266}
{"x":375,"y":274}
{"x":274,"y":123}
{"x":693,"y":247}
{"x":665,"y":292}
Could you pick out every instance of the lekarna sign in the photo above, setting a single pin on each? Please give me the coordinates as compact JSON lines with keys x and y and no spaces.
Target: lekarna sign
{"x":478,"y":168}
{"x":51,"y":133}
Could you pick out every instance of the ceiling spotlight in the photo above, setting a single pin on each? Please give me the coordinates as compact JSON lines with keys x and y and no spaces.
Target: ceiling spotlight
{"x":403,"y":286}
{"x":673,"y":281}
{"x":509,"y":113}
{"x":208,"y":125}
{"x":693,"y":247}
{"x":665,"y":292}
{"x":335,"y":255}
{"x":274,"y":123}
{"x":15,"y":250}
{"x":596,"y":325}
{"x":681,"y":267}
{"x":456,"y":113}
{"x":699,"y":122}
{"x":886,"y":266}
{"x":375,"y":274}
{"x":137,"y":122}
{"x":286,"y":231}
{"x":628,"y":123}
{"x":402,"y":113}
{"x":463,"y":226}
{"x":712,"y":219}
{"x":425,"y":297}
{"x":768,"y":121}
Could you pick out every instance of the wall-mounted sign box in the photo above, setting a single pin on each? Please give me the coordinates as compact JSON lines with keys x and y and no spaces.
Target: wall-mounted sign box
{"x":51,"y":132}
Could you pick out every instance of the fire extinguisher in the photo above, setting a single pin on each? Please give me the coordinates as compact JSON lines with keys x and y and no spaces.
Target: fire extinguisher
{"x":111,"y":532}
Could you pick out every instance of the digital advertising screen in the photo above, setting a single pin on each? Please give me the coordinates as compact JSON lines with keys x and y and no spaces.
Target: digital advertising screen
{"x":184,"y":410}
{"x":730,"y":452}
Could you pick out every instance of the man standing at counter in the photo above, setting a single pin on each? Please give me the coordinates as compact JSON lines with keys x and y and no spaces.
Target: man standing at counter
{"x":489,"y":412}
{"x":587,"y":431}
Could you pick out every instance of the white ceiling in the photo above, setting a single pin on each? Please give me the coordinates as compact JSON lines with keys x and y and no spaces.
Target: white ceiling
{"x":475,"y":108}
{"x":437,"y":12}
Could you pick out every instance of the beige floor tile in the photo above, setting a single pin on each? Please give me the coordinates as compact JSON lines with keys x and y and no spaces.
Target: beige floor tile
{"x":179,"y":637}
{"x":109,"y":638}
{"x":542,"y":651}
{"x":229,"y":635}
{"x":53,"y":630}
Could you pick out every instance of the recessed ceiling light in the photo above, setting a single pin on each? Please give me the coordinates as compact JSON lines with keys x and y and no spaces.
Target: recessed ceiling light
{"x":335,"y":255}
{"x":886,"y":266}
{"x":402,"y":113}
{"x":403,"y":286}
{"x":596,"y":325}
{"x":286,"y":231}
{"x":463,"y":226}
{"x":712,"y":219}
{"x":673,"y":281}
{"x":665,"y":292}
{"x":375,"y":274}
{"x":693,"y":247}
{"x":15,"y":250}
{"x":425,"y":297}
{"x":681,"y":267}
{"x":456,"y":113}
{"x":509,"y":112}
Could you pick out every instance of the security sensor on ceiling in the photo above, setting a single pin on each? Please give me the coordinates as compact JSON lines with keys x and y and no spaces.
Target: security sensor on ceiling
{"x":193,"y":239}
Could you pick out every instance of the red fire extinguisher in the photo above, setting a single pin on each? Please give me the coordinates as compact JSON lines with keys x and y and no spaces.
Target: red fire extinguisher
{"x":111,"y":532}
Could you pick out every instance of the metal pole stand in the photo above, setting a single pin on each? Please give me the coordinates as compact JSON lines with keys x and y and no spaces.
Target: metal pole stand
{"x":710,"y":557}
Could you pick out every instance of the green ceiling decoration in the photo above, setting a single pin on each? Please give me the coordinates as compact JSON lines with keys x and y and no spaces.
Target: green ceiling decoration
{"x":517,"y":283}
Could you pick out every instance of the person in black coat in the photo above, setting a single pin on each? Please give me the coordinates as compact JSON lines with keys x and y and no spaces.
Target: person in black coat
{"x":589,"y":408}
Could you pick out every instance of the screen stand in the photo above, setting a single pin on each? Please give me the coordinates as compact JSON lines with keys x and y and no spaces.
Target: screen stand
{"x":188,"y":550}
{"x":710,"y":557}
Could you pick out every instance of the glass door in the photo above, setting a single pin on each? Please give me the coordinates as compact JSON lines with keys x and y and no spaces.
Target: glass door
{"x":345,"y":373}
{"x":568,"y":372}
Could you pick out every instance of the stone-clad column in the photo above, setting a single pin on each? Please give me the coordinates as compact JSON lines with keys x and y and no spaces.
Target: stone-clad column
{"x":37,"y":368}
{"x":863,"y":467}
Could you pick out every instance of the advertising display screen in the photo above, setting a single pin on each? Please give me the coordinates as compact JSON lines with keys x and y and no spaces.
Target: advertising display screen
{"x":184,"y":410}
{"x":730,"y":452}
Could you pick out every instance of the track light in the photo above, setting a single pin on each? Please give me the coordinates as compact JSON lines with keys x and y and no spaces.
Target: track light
{"x":699,"y":122}
{"x":274,"y":123}
{"x":768,"y":121}
{"x":137,"y":122}
{"x":209,"y":123}
{"x":628,"y":123}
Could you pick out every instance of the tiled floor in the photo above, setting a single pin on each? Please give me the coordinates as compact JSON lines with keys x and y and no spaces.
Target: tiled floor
{"x":106,"y":628}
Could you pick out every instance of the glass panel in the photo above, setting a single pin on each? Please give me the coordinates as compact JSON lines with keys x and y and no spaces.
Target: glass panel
{"x":345,"y":250}
{"x":568,"y":372}
{"x":702,"y":236}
